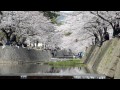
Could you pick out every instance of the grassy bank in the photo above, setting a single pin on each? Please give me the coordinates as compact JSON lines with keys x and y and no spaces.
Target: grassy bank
{"x":67,"y":63}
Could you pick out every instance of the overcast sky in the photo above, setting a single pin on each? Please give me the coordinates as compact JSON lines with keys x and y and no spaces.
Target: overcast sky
{"x":67,"y":11}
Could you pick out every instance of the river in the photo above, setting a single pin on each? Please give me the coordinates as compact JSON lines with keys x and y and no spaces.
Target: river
{"x":25,"y":70}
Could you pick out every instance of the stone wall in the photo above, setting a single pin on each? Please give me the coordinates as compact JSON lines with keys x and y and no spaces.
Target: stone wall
{"x":13,"y":54}
{"x":106,"y":59}
{"x":63,"y":53}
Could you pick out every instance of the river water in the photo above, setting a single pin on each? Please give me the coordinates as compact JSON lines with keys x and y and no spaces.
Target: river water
{"x":11,"y":69}
{"x":24,"y":70}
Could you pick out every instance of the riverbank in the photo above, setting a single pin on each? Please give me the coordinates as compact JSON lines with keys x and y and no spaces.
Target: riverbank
{"x":105,"y":59}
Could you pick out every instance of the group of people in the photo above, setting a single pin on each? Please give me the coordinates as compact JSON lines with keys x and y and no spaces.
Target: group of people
{"x":12,"y":41}
{"x":80,"y":54}
{"x":54,"y":51}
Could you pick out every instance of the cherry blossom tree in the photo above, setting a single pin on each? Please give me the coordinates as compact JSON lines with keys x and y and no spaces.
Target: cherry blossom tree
{"x":111,"y":17}
{"x":96,"y":27}
{"x":72,"y":34}
{"x":30,"y":24}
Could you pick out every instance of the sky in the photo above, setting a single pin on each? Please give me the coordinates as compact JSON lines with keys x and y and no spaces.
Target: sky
{"x":67,"y":11}
{"x":62,"y":17}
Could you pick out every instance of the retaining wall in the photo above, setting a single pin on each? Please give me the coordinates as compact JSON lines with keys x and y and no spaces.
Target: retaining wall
{"x":13,"y":54}
{"x":105,"y":59}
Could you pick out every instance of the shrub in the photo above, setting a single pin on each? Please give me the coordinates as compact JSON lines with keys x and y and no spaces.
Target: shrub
{"x":68,"y":33}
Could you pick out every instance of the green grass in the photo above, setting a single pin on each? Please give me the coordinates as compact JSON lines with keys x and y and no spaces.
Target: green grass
{"x":67,"y":33}
{"x":68,"y":63}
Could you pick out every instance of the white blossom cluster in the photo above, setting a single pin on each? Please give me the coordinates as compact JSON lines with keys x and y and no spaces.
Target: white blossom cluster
{"x":78,"y":40}
{"x":31,"y":24}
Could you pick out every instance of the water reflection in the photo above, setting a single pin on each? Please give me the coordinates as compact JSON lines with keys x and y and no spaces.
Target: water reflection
{"x":8,"y":69}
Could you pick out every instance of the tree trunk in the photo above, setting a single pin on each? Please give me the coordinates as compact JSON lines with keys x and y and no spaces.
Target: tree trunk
{"x":101,"y":36}
{"x":96,"y":38}
{"x":8,"y":35}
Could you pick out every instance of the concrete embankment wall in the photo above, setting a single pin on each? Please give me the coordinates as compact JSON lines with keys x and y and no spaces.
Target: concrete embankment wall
{"x":63,"y":53}
{"x":104,"y":59}
{"x":19,"y":55}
